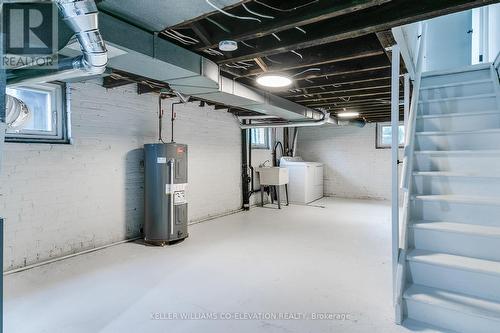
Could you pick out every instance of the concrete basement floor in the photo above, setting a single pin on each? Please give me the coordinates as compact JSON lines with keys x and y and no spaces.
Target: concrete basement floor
{"x":298,"y":260}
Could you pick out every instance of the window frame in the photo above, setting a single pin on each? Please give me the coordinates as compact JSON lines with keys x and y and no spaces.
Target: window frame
{"x":378,"y":136}
{"x":267,"y":138}
{"x":60,"y":115}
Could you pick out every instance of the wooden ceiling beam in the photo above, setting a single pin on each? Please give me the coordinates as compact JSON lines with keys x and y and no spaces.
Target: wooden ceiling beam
{"x":371,"y":20}
{"x":308,"y":92}
{"x":315,"y":13}
{"x":357,"y":48}
{"x":381,"y":92}
{"x":201,"y":32}
{"x":347,"y":78}
{"x":109,"y":82}
{"x":262,"y":64}
{"x":204,"y":16}
{"x":331,"y":102}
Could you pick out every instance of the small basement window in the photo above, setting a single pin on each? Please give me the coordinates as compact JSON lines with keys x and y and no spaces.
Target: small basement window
{"x":259,"y":137}
{"x":384,"y":135}
{"x":48,"y":122}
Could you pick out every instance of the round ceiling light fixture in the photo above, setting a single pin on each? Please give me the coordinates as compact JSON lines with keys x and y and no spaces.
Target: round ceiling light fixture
{"x":349,"y":114}
{"x":274,"y":80}
{"x":228,"y":45}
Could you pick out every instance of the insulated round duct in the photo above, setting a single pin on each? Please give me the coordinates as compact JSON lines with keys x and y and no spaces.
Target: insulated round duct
{"x":17,"y":112}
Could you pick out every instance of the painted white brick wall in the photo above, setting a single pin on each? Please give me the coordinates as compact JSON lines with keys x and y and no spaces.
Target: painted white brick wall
{"x":62,"y":199}
{"x":354,"y":168}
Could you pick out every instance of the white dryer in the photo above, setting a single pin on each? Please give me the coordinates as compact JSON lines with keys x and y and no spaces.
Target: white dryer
{"x":306,"y":179}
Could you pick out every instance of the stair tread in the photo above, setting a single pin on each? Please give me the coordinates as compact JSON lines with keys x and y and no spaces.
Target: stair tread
{"x":464,"y":228}
{"x":456,"y":174}
{"x":458,"y":152}
{"x":418,"y":326}
{"x":483,"y":131}
{"x":458,"y":114}
{"x":468,"y":68}
{"x":489,"y":267}
{"x":468,"y":199}
{"x":454,"y":301}
{"x":454,"y":84}
{"x":457,"y":98}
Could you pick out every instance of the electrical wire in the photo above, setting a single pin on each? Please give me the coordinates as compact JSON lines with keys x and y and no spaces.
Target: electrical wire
{"x":276,"y":36}
{"x":217,"y":24}
{"x":184,"y":36}
{"x":247,"y":45}
{"x":236,"y":66}
{"x":257,"y":14}
{"x":173,"y":36}
{"x":301,"y":30}
{"x":307,"y":70}
{"x":213,"y":52}
{"x":273,"y":61}
{"x":245,"y":63}
{"x":298,"y":54}
{"x":232,"y":15}
{"x":285,"y":10}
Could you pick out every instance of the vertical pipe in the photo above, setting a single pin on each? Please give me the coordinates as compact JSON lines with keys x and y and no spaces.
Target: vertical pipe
{"x":250,"y":166}
{"x":244,"y":168}
{"x":2,"y":136}
{"x":394,"y":160}
{"x":406,"y":101}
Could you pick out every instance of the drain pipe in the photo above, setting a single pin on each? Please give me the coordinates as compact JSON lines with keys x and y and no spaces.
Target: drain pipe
{"x":81,"y":17}
{"x":301,"y":123}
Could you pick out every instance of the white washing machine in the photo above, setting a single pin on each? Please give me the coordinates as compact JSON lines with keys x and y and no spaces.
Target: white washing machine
{"x":306,"y":179}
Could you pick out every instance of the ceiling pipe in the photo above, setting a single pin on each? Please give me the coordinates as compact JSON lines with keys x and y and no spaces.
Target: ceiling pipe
{"x":257,"y":117}
{"x":81,"y":17}
{"x":297,"y":123}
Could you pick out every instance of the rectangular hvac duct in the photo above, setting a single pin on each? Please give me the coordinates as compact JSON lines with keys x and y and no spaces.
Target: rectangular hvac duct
{"x":142,"y":53}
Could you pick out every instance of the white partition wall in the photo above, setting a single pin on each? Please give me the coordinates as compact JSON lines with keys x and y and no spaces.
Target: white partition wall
{"x":449,"y":42}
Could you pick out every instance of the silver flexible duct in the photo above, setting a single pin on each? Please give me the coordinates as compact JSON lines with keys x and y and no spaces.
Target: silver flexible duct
{"x":81,"y":17}
{"x":16,"y":112}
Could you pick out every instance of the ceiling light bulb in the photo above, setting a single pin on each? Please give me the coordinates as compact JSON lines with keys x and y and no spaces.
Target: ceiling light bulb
{"x":348,"y":114}
{"x":274,"y":80}
{"x":228,"y":45}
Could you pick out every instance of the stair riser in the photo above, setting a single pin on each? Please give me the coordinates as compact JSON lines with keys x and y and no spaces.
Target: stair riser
{"x":449,"y":319}
{"x":457,"y":163}
{"x":457,"y":91}
{"x":457,"y":212}
{"x":486,"y":103}
{"x":456,"y":185}
{"x":462,"y":141}
{"x":459,"y":123}
{"x":483,"y":74}
{"x":464,"y":282}
{"x":456,"y":243}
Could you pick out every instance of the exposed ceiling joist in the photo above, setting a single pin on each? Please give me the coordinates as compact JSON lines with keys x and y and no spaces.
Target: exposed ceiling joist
{"x":358,"y":48}
{"x":370,"y":20}
{"x":323,"y":10}
{"x":200,"y":31}
{"x":262,"y":64}
{"x":343,"y":88}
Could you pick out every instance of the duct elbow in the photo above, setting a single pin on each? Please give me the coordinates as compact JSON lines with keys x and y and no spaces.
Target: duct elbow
{"x":82,"y":17}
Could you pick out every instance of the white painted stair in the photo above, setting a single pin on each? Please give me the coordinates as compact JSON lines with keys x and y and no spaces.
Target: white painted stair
{"x":453,"y":260}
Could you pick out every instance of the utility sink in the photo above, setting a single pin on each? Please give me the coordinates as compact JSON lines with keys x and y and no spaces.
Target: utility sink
{"x":273,"y":176}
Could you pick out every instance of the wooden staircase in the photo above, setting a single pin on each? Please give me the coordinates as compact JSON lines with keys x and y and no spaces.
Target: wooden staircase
{"x":450,"y":279}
